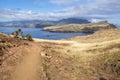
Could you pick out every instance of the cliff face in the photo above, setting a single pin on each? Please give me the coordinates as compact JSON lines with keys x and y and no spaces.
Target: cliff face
{"x":87,"y":28}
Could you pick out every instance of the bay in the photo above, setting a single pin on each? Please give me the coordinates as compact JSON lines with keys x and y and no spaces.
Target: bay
{"x":39,"y":33}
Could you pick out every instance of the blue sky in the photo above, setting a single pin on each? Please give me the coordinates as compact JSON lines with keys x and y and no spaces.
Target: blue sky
{"x":93,"y":10}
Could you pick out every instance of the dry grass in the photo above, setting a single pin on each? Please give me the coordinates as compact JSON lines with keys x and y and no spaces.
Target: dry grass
{"x":94,"y":57}
{"x":99,"y":36}
{"x":106,"y":61}
{"x":73,"y":60}
{"x":81,"y":61}
{"x":90,"y":27}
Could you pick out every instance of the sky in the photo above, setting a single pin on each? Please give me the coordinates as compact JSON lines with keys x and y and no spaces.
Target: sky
{"x":94,"y":10}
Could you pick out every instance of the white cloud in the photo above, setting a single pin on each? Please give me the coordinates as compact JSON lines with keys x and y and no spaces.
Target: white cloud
{"x":30,"y":15}
{"x":59,"y":2}
{"x":100,"y":8}
{"x":106,"y":7}
{"x":96,"y":9}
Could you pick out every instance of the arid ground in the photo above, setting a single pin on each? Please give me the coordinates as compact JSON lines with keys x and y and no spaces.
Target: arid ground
{"x":93,"y":57}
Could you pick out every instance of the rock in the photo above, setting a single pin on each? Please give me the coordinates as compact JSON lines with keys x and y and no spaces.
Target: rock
{"x":1,"y":62}
{"x":1,"y":53}
{"x":101,"y":78}
{"x":26,"y":44}
{"x":85,"y":28}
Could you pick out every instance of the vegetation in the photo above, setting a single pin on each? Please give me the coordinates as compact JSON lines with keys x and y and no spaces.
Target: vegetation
{"x":99,"y":36}
{"x":95,"y":57}
{"x":19,"y":34}
{"x":86,"y":28}
{"x":29,"y":37}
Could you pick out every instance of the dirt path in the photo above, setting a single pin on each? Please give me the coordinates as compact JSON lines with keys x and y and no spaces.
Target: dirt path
{"x":31,"y":68}
{"x":27,"y":70}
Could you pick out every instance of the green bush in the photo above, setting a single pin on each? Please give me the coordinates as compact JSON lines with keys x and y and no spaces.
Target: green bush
{"x":17,"y":33}
{"x":29,"y":37}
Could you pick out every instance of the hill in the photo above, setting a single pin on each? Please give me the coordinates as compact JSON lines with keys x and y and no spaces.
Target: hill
{"x":86,"y":28}
{"x":42,"y":23}
{"x":99,"y":36}
{"x":94,"y":57}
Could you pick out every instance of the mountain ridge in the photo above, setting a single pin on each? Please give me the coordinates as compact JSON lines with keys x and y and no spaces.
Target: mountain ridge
{"x":42,"y":23}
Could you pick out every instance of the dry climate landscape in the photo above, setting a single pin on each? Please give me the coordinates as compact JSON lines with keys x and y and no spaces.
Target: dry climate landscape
{"x":59,"y":39}
{"x":92,"y":57}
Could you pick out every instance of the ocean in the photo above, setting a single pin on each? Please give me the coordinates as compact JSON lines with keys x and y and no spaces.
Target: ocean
{"x":39,"y":33}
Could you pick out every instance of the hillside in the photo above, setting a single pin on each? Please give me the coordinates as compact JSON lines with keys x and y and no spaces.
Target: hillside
{"x":42,"y":23}
{"x":73,"y":59}
{"x":99,"y":36}
{"x":86,"y":28}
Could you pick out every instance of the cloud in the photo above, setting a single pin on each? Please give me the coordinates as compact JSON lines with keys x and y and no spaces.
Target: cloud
{"x":30,"y":15}
{"x":104,"y":7}
{"x":68,"y":2}
{"x":98,"y":8}
{"x":63,"y":2}
{"x":95,"y":9}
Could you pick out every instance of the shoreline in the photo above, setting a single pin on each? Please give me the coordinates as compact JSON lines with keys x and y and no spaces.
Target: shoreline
{"x":55,"y":41}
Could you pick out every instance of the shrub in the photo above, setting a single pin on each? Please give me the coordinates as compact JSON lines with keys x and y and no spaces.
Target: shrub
{"x":17,"y":33}
{"x":20,"y":33}
{"x":29,"y":37}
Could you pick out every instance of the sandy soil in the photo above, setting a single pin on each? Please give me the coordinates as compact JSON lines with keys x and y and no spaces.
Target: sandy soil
{"x":63,"y":60}
{"x":27,"y":70}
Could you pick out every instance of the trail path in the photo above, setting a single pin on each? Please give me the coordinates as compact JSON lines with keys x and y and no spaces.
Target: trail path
{"x":27,"y":70}
{"x":30,"y":66}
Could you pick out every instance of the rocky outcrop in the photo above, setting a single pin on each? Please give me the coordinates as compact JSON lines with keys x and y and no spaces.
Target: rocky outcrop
{"x":86,"y":28}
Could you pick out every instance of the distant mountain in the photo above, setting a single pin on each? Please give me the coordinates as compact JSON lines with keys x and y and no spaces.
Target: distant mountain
{"x":41,"y":23}
{"x":72,"y":21}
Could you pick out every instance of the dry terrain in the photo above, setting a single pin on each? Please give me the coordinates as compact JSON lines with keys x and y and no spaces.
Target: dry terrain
{"x":86,"y":28}
{"x":93,"y":57}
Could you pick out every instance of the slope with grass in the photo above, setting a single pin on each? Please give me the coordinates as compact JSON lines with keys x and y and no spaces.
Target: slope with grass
{"x":99,"y":36}
{"x":86,"y":28}
{"x":94,"y":57}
